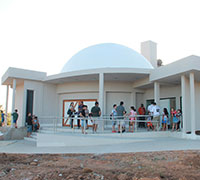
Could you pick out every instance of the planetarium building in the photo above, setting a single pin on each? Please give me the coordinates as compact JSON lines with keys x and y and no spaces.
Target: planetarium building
{"x":110,"y":73}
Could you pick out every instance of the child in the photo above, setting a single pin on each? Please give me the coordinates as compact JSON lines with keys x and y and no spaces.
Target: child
{"x":132,"y":118}
{"x":114,"y":118}
{"x":165,"y":116}
{"x":35,"y":124}
{"x":179,"y":114}
{"x":149,"y":123}
{"x":175,"y":119}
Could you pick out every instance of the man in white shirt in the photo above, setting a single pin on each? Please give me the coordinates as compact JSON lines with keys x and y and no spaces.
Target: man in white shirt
{"x":156,"y":116}
{"x":150,"y":108}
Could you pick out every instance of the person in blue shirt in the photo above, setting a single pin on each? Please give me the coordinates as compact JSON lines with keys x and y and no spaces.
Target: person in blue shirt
{"x":2,"y":118}
{"x":114,"y":117}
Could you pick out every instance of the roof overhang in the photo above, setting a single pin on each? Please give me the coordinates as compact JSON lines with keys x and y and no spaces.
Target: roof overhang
{"x":21,"y":74}
{"x":111,"y":74}
{"x":172,"y":72}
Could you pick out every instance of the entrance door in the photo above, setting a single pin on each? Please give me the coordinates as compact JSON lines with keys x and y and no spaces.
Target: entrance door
{"x":66,"y":103}
{"x":29,"y":102}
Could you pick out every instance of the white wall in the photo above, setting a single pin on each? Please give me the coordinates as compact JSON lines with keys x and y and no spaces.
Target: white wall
{"x":165,"y":92}
{"x":19,"y":105}
{"x":197,"y":104}
{"x":45,"y":102}
{"x":139,"y":99}
{"x":50,"y":100}
{"x":90,"y":90}
{"x":149,"y":51}
{"x":78,"y":87}
{"x":187,"y":112}
{"x":115,"y":98}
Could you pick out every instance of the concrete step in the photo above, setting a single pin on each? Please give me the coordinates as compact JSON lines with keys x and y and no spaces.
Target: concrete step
{"x":30,"y":139}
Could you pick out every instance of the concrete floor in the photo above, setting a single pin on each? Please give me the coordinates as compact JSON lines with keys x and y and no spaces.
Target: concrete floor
{"x":103,"y":143}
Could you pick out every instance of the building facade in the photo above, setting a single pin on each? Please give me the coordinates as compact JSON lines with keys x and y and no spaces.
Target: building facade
{"x":109,"y":73}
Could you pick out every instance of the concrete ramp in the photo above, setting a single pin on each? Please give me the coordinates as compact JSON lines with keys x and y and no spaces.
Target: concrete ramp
{"x":76,"y":140}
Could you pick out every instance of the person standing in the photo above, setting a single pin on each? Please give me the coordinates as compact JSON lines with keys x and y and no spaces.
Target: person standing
{"x":156,"y":116}
{"x":142,"y":112}
{"x":150,"y":109}
{"x":114,"y":117}
{"x":80,"y":108}
{"x":132,"y":118}
{"x":120,"y":113}
{"x":96,"y":113}
{"x":179,"y":115}
{"x":83,"y":120}
{"x":71,"y":114}
{"x":165,"y":117}
{"x":29,"y":124}
{"x":86,"y":115}
{"x":15,"y":116}
{"x":175,"y":119}
{"x":2,"y":118}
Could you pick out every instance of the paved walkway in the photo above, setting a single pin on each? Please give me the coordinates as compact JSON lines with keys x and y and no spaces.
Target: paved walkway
{"x":114,"y":144}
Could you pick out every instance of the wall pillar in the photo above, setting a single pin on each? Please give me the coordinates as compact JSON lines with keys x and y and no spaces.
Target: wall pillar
{"x":157,"y":93}
{"x":13,"y":99}
{"x":133,"y":98}
{"x":7,"y":97}
{"x":192,"y":103}
{"x":101,"y":92}
{"x":184,"y":101}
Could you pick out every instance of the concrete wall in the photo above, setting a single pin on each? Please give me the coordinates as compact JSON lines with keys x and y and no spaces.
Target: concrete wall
{"x":115,"y":98}
{"x":76,"y":87}
{"x":50,"y":100}
{"x":45,"y":102}
{"x":19,"y":105}
{"x":114,"y":92}
{"x":187,"y":106}
{"x":197,"y":105}
{"x":165,"y":92}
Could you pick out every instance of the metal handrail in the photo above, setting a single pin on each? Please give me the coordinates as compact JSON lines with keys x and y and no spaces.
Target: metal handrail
{"x":103,"y":119}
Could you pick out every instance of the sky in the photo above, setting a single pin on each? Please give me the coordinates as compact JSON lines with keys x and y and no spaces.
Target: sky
{"x":43,"y":35}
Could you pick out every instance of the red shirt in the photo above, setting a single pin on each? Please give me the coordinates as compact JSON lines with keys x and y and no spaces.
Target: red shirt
{"x":141,"y":111}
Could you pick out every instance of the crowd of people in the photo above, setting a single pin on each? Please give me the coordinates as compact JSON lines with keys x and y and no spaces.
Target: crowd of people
{"x":152,"y":118}
{"x":84,"y":115}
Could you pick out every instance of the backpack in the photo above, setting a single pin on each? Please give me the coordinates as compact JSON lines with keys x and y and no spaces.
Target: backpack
{"x":69,"y":112}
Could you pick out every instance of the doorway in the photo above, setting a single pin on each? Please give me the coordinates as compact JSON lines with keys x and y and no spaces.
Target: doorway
{"x":29,"y":102}
{"x":66,"y":103}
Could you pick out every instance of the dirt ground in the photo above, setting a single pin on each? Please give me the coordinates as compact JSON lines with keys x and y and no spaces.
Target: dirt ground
{"x":179,"y":165}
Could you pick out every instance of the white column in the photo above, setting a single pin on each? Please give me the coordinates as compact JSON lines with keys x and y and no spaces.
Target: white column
{"x":101,"y":92}
{"x":184,"y":109}
{"x":192,"y":103}
{"x":157,"y":93}
{"x":7,"y":97}
{"x":13,"y":99}
{"x":133,"y":98}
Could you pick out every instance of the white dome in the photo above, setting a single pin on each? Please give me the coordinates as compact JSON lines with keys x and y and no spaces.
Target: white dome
{"x":106,"y":55}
